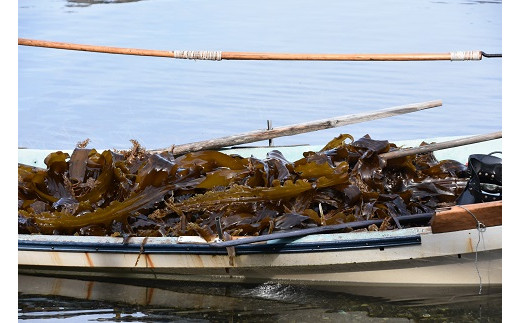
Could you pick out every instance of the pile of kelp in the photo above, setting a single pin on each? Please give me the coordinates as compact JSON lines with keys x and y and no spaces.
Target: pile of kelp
{"x":138,"y":193}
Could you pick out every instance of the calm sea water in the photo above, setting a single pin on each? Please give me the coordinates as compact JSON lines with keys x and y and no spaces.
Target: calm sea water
{"x":72,"y":300}
{"x":68,"y":96}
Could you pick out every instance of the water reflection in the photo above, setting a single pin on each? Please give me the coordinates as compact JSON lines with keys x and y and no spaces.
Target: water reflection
{"x":107,"y":300}
{"x":87,"y":3}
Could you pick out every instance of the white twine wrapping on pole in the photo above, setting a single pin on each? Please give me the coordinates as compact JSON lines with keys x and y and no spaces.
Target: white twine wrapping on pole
{"x":474,"y":55}
{"x":200,"y":54}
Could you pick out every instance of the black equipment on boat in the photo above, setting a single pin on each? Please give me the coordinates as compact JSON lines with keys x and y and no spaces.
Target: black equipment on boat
{"x":485,"y":182}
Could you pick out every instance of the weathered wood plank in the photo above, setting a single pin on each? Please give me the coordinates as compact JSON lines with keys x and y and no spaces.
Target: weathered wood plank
{"x":441,"y":145}
{"x":457,"y":218}
{"x":295,"y":129}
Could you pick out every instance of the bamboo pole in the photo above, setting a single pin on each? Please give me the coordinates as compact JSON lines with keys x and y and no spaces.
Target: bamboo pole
{"x":295,"y":129}
{"x":441,"y":145}
{"x":336,"y":57}
{"x":92,"y":48}
{"x":218,"y":55}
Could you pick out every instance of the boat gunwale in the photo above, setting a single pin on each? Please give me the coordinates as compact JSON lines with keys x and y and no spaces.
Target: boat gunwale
{"x":282,"y":246}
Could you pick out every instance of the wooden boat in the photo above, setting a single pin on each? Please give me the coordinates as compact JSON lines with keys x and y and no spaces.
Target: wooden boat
{"x":452,"y":250}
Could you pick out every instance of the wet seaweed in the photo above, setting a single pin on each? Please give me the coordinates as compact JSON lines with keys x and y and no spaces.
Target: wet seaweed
{"x":139,"y":193}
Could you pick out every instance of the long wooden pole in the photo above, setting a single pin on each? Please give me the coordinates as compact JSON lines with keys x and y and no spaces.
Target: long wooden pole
{"x":414,"y":218}
{"x":93,"y":48}
{"x":442,"y":145}
{"x":453,"y":56}
{"x":337,"y":57}
{"x":295,"y":129}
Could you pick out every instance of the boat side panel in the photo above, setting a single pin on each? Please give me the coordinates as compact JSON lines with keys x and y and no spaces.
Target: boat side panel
{"x":447,"y":270}
{"x":432,"y":245}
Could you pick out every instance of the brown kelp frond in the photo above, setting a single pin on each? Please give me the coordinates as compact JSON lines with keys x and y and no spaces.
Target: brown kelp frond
{"x":137,"y":193}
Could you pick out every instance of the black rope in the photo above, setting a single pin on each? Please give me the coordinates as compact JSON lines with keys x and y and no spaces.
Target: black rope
{"x":491,"y":55}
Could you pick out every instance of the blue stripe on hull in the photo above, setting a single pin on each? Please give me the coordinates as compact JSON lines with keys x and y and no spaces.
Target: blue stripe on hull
{"x":201,"y":249}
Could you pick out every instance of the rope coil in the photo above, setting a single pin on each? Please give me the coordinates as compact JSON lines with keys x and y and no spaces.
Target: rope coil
{"x":474,"y":55}
{"x":200,"y":54}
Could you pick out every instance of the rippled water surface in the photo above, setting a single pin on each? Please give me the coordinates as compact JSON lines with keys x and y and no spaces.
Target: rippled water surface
{"x":70,"y":300}
{"x":68,"y":96}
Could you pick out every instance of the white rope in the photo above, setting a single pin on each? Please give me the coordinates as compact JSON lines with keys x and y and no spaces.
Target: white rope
{"x":474,"y":55}
{"x":198,"y":54}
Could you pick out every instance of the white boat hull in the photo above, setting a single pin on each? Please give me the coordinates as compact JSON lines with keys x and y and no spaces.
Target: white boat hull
{"x":406,"y":256}
{"x":454,"y":258}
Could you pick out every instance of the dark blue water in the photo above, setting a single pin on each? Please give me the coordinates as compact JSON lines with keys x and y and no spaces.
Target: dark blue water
{"x":68,"y":96}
